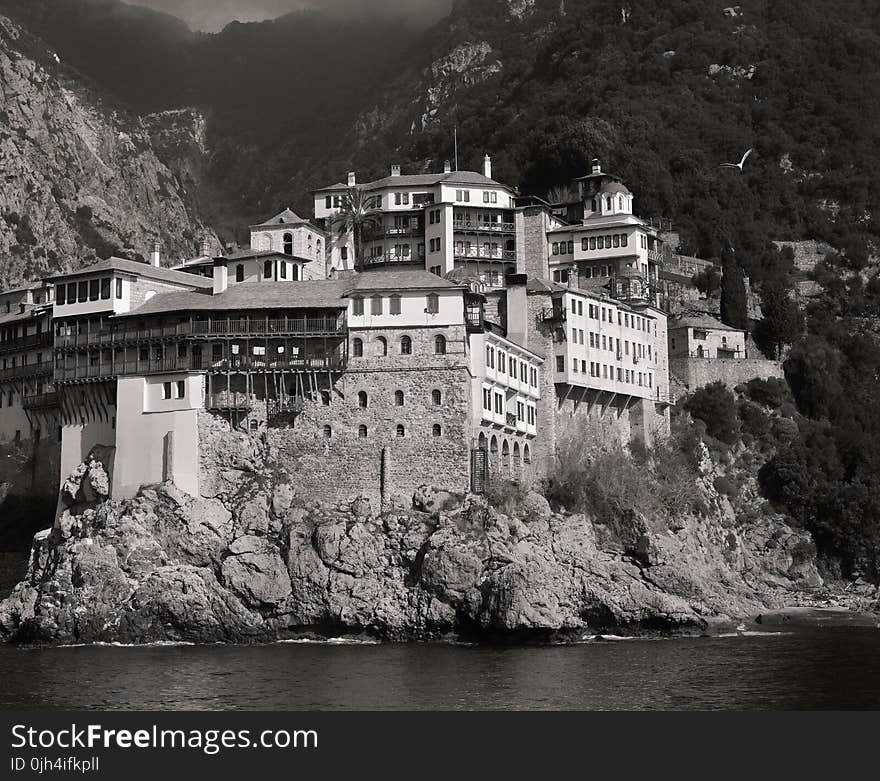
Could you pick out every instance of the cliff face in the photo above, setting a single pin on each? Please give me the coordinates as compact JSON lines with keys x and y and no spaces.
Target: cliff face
{"x":81,"y":178}
{"x":259,"y":563}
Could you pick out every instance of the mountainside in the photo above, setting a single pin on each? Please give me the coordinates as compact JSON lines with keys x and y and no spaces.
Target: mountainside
{"x":663,"y":92}
{"x":80,"y":176}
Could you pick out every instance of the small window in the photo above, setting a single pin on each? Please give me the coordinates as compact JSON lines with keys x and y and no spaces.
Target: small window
{"x":401,"y":431}
{"x":166,"y":390}
{"x":440,"y":345}
{"x":376,"y":305}
{"x":282,"y":267}
{"x":105,"y":288}
{"x":362,"y":432}
{"x":328,"y":202}
{"x":436,"y":430}
{"x":436,"y":398}
{"x":181,"y":389}
{"x":328,"y":432}
{"x":343,"y":253}
{"x":288,"y":244}
{"x":357,"y":348}
{"x":267,"y":269}
{"x":381,"y":347}
{"x":118,"y":288}
{"x":325,"y":398}
{"x":398,"y":398}
{"x":433,"y":304}
{"x":94,"y":289}
{"x":405,"y":345}
{"x":239,"y":273}
{"x":394,"y":305}
{"x":60,"y":295}
{"x":363,"y":401}
{"x":357,"y":306}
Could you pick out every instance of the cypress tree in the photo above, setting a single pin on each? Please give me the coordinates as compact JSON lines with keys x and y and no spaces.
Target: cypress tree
{"x":734,"y":307}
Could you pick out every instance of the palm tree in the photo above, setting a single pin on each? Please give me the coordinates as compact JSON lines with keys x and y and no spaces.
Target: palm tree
{"x":357,"y":212}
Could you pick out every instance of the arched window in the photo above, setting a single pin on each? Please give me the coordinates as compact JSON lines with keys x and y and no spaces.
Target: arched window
{"x":357,"y":348}
{"x":505,"y":458}
{"x":517,"y":464}
{"x":380,"y":347}
{"x":267,"y":269}
{"x":318,"y":247}
{"x":436,"y":397}
{"x":405,"y":345}
{"x":527,"y":455}
{"x":362,"y":399}
{"x":362,"y":432}
{"x":325,"y":398}
{"x":440,"y":345}
{"x":398,"y":398}
{"x":437,"y":430}
{"x":239,"y":273}
{"x":288,"y":244}
{"x":328,"y":432}
{"x":401,"y":431}
{"x":294,"y":272}
{"x":481,"y":441}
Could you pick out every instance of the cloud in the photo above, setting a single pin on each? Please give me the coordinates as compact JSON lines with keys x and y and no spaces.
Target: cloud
{"x":212,"y":15}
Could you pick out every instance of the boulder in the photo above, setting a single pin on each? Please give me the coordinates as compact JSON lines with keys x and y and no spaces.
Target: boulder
{"x":428,"y":499}
{"x":255,"y":571}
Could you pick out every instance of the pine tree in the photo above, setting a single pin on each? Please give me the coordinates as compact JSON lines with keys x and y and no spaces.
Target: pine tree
{"x":734,"y":306}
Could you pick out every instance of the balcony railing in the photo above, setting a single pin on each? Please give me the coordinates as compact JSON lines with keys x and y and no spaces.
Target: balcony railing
{"x":28,"y":370}
{"x":44,"y":339}
{"x":554,"y":315}
{"x":391,"y":258}
{"x":474,"y":254}
{"x":194,"y":363}
{"x":490,"y":227}
{"x":226,"y":400}
{"x":40,"y":401}
{"x":244,"y":327}
{"x":397,"y":231}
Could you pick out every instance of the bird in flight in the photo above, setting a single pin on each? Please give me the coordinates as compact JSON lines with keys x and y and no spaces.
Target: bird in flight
{"x":740,"y":164}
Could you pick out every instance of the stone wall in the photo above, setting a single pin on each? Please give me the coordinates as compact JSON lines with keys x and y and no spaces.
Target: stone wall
{"x":694,"y":373}
{"x":807,"y":254}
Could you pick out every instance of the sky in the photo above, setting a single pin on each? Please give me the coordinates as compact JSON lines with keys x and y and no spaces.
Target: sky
{"x":212,"y":15}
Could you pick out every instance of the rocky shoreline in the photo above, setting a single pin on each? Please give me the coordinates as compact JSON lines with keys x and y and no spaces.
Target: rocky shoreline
{"x":264,"y":565}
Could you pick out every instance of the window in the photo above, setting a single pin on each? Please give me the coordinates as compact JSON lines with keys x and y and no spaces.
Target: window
{"x":405,"y":345}
{"x":555,"y":247}
{"x":357,"y":348}
{"x":376,"y":305}
{"x":616,"y":239}
{"x":343,"y":253}
{"x":487,"y":399}
{"x":571,"y":248}
{"x":166,"y":390}
{"x":560,"y":363}
{"x":583,"y":245}
{"x":181,"y":389}
{"x":436,"y":430}
{"x":394,"y":305}
{"x":363,"y":401}
{"x":440,"y":345}
{"x":267,"y":269}
{"x":362,"y":432}
{"x":61,"y":295}
{"x":398,"y":398}
{"x":328,"y":432}
{"x":94,"y":289}
{"x":328,"y":202}
{"x":282,"y":267}
{"x":499,"y":404}
{"x":490,"y":357}
{"x":325,"y":398}
{"x":118,"y":288}
{"x":436,"y":397}
{"x":502,"y":360}
{"x":239,"y":273}
{"x":401,"y":431}
{"x":288,"y":244}
{"x":357,"y":306}
{"x":381,"y":347}
{"x":105,"y":288}
{"x":437,"y":271}
{"x":433,"y":304}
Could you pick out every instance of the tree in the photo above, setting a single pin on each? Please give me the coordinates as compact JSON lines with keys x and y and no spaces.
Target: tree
{"x":716,"y":407}
{"x":782,"y":322}
{"x":356,"y":214}
{"x":734,"y":306}
{"x":708,"y":281}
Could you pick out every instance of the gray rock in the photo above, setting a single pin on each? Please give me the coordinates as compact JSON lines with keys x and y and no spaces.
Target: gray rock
{"x":255,"y":571}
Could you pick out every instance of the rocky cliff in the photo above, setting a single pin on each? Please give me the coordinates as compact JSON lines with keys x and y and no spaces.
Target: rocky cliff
{"x":259,"y":563}
{"x":81,"y":178}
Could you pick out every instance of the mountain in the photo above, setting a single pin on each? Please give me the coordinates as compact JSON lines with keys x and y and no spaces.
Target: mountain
{"x":81,"y":178}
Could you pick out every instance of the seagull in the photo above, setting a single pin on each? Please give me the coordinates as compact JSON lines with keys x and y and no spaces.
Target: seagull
{"x":740,"y":164}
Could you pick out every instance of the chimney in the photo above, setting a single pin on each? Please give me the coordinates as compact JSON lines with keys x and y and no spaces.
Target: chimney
{"x":597,"y":168}
{"x":447,"y":167}
{"x":352,"y":179}
{"x":155,"y":255}
{"x":395,"y":170}
{"x":205,"y":249}
{"x":221,"y":276}
{"x":517,"y":309}
{"x":487,"y":167}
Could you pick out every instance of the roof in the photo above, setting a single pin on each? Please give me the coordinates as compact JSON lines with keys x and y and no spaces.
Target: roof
{"x":420,"y":180}
{"x":314,"y":294}
{"x":138,"y":269}
{"x":245,"y":254}
{"x":400,"y":279}
{"x":598,"y":175}
{"x":287,"y":217}
{"x":29,"y":313}
{"x":701,"y":320}
{"x":615,"y":187}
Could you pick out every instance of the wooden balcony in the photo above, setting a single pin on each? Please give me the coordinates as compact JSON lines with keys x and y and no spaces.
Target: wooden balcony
{"x":27,"y":370}
{"x":40,"y":401}
{"x":466,"y":226}
{"x":27,"y":342}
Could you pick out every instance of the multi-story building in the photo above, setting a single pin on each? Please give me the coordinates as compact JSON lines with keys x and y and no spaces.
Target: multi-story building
{"x":439,"y":222}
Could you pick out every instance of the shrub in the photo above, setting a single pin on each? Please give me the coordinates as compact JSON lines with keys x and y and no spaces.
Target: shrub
{"x":716,"y":407}
{"x":506,"y":496}
{"x":753,"y":420}
{"x":726,"y":487}
{"x":772,"y":392}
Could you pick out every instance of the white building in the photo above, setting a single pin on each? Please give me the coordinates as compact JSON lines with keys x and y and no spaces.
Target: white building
{"x":439,"y":222}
